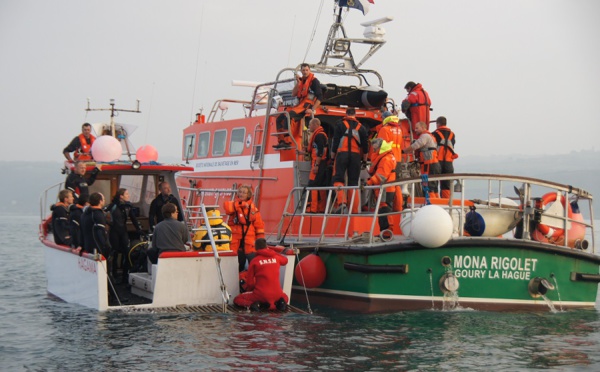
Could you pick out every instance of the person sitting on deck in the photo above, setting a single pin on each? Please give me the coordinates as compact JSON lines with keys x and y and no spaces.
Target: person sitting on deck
{"x":81,"y":145}
{"x":60,"y":218}
{"x":170,"y":235}
{"x":262,"y":281}
{"x":309,"y":93}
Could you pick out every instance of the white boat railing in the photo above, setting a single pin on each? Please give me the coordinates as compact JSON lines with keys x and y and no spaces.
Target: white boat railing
{"x":482,"y":189}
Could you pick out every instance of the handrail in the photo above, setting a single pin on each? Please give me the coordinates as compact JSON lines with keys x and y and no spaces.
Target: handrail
{"x":471,"y":183}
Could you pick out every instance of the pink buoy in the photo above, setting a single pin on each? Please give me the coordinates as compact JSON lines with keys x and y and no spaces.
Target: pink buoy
{"x":146,"y":154}
{"x":106,"y":149}
{"x":310,"y":271}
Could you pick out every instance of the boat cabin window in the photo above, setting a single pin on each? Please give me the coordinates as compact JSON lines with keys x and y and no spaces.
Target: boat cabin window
{"x":236,"y":145}
{"x":203,"y":141}
{"x":103,"y":187}
{"x":188,"y":146}
{"x":134,"y":185}
{"x":218,"y":148}
{"x":150,"y":190}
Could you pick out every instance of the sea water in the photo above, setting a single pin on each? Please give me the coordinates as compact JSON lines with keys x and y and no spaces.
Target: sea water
{"x":38,"y":333}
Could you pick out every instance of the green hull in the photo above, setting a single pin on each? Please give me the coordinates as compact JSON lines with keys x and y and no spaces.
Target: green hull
{"x":493,"y":274}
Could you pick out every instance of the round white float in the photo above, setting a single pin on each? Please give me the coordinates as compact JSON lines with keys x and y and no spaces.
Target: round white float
{"x":106,"y":149}
{"x":432,"y":226}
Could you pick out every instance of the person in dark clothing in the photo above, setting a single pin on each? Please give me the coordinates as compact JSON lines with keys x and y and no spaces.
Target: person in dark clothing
{"x":60,"y":218}
{"x":75,"y":212}
{"x":120,"y":209}
{"x":94,"y":228}
{"x":350,"y":146}
{"x":155,"y":214}
{"x":169,"y":235}
{"x":78,"y":182}
{"x":81,"y":146}
{"x":317,"y":149}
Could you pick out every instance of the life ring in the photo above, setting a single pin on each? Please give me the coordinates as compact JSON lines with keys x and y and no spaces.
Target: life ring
{"x":552,"y":233}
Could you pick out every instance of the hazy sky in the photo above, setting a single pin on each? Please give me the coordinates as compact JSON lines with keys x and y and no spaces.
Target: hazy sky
{"x":516,"y":76}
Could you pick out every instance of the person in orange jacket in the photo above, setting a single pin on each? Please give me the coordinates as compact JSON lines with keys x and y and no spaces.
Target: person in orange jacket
{"x":416,"y":105}
{"x":426,"y":147}
{"x":262,"y":283}
{"x":383,"y":170}
{"x":81,"y":145}
{"x":246,"y":225}
{"x":446,"y":155}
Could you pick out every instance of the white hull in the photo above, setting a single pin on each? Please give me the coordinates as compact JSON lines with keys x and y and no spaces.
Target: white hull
{"x":191,"y":279}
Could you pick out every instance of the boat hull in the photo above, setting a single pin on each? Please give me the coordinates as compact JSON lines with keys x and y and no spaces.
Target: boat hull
{"x":492,"y":274}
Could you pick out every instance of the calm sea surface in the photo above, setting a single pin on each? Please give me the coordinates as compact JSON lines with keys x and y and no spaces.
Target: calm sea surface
{"x":41,"y":334}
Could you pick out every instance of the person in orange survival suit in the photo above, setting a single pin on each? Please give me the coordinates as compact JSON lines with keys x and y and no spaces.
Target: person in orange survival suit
{"x":426,"y":147}
{"x":383,"y":170}
{"x":350,"y":146}
{"x":416,"y":105}
{"x":81,"y":145}
{"x":317,"y":148}
{"x":246,"y":225}
{"x":262,"y":280}
{"x":309,"y":93}
{"x":446,"y":155}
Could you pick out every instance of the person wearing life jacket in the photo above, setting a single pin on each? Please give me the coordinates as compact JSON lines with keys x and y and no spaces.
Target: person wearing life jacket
{"x":221,"y":233}
{"x":94,"y":228}
{"x":263,"y":288}
{"x":119,"y":210}
{"x":382,"y":171}
{"x":426,"y":149}
{"x":417,"y":104}
{"x":246,"y":225}
{"x":81,"y":145}
{"x":309,"y":93}
{"x":60,"y":218}
{"x":317,"y":149}
{"x":350,"y":146}
{"x":75,"y":212}
{"x":77,"y":181}
{"x":446,"y":155}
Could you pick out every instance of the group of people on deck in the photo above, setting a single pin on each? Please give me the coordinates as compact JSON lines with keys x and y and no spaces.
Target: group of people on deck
{"x":386,"y":146}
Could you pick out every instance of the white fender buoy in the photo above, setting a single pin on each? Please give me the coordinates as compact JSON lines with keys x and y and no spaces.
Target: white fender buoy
{"x":431,"y":226}
{"x":106,"y":149}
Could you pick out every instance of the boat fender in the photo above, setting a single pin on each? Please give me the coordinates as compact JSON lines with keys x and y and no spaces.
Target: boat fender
{"x":310,"y":271}
{"x":432,"y":226}
{"x":539,"y":286}
{"x":474,"y":223}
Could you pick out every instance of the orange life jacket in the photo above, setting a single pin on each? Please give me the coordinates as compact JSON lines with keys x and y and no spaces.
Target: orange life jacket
{"x":445,"y":140}
{"x":382,"y":170}
{"x":84,"y":152}
{"x":246,"y":224}
{"x":392,"y":133}
{"x":305,"y":98}
{"x":350,"y":133}
{"x":313,"y":148}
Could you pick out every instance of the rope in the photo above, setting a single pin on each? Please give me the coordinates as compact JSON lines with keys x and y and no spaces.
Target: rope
{"x":314,"y":31}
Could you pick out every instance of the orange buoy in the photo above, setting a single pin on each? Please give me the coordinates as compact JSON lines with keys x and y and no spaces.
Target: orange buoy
{"x":548,"y":233}
{"x":310,"y":271}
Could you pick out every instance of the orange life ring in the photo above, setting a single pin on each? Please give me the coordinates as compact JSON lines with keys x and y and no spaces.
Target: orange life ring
{"x":548,"y":232}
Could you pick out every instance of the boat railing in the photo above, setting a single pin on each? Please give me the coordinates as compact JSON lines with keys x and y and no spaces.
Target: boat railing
{"x":204,"y":198}
{"x":496,"y":192}
{"x":49,"y":197}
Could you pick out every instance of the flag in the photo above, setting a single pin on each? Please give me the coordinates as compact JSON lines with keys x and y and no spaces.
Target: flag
{"x":362,"y":5}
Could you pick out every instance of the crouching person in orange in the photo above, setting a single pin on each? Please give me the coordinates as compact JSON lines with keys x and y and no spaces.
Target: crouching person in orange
{"x":382,"y":171}
{"x":262,"y":281}
{"x":246,"y":225}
